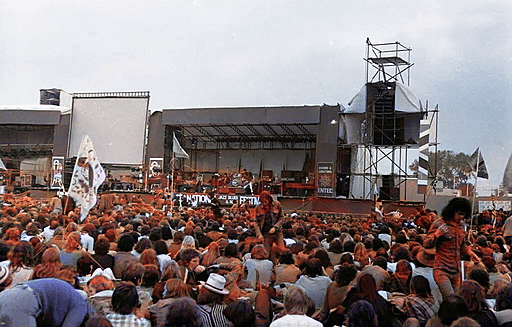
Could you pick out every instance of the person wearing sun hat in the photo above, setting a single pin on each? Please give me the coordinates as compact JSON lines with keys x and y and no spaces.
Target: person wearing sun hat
{"x":424,"y":261}
{"x":211,"y":301}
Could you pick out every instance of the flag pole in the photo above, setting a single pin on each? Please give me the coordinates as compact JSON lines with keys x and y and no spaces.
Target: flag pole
{"x":172,"y":181}
{"x":73,"y":174}
{"x":474,"y":191}
{"x":177,"y":152}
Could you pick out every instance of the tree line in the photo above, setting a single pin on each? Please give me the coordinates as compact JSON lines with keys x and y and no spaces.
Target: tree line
{"x":452,"y":168}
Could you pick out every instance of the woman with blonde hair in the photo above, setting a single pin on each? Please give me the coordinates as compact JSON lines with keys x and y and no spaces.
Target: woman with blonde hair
{"x":50,"y":264}
{"x":188,"y":243}
{"x":72,"y":251}
{"x":361,"y":258}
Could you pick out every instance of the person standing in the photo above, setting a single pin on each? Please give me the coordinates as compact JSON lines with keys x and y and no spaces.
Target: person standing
{"x":379,"y":211}
{"x":447,"y":237}
{"x":507,"y":229}
{"x":269,"y":217}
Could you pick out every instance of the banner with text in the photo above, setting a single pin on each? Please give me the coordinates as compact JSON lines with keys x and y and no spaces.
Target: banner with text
{"x":494,"y":205}
{"x":224,"y":199}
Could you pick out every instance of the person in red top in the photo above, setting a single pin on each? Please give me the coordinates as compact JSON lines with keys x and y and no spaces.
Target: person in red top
{"x":447,"y":236}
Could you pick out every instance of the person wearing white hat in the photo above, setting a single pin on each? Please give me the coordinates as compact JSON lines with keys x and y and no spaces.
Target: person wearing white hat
{"x":211,"y":301}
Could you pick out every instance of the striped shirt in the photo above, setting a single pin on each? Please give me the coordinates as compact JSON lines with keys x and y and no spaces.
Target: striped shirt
{"x":212,"y":316}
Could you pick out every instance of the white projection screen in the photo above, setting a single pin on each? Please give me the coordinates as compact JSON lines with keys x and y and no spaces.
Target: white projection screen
{"x":115,"y":122}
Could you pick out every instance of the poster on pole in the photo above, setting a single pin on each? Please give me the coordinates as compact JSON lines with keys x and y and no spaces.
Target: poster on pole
{"x":57,"y":180}
{"x":156,"y":166}
{"x":325,"y":180}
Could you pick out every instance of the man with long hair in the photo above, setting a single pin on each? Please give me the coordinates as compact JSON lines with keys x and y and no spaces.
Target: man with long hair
{"x":270,"y":218}
{"x":447,"y":237}
{"x":296,"y":308}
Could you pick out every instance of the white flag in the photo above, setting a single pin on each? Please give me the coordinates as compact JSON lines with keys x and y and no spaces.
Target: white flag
{"x":2,"y":166}
{"x":177,"y":149}
{"x":87,"y":177}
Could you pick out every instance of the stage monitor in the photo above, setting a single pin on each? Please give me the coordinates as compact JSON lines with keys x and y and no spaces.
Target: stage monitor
{"x":116,"y":123}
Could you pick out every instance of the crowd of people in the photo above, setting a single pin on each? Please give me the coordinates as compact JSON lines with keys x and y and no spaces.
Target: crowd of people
{"x":139,"y":263}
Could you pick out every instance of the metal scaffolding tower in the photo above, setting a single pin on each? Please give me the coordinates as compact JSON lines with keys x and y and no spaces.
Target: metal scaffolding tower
{"x":387,"y":134}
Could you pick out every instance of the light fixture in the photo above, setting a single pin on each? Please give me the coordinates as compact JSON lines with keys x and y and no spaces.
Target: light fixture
{"x":333,"y":122}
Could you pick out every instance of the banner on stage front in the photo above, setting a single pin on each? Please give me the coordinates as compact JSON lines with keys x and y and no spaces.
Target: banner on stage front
{"x":224,"y":199}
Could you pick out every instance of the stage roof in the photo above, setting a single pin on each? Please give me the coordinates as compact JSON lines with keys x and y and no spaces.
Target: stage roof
{"x":260,"y":124}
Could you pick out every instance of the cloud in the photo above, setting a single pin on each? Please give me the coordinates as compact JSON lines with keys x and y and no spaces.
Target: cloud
{"x":245,"y":53}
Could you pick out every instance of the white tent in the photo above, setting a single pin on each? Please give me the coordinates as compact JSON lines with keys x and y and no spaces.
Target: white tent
{"x":353,"y":127}
{"x":405,"y":101}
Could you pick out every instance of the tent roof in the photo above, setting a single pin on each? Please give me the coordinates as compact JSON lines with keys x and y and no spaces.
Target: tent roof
{"x":405,"y":101}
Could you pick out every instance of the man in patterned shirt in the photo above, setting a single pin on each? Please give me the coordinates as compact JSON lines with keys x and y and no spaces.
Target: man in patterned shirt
{"x":420,"y":304}
{"x":125,"y":301}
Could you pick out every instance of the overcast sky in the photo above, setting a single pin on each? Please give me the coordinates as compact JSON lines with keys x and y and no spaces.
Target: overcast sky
{"x":267,"y":53}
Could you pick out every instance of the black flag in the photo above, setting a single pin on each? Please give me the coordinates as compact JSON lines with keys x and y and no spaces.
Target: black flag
{"x":476,"y":160}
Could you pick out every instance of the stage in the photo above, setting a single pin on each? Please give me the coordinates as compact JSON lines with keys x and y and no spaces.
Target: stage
{"x":354,"y":207}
